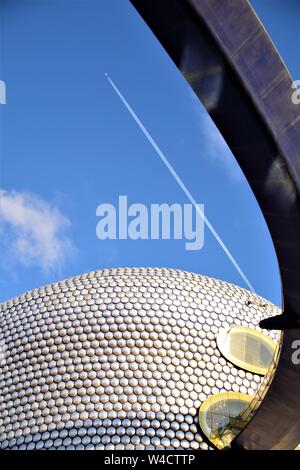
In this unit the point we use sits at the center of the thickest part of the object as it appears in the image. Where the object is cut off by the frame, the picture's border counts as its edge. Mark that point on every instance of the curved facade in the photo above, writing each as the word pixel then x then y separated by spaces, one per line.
pixel 119 359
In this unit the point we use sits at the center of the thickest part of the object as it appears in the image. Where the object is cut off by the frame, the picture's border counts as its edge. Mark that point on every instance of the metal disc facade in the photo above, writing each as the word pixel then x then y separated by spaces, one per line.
pixel 119 359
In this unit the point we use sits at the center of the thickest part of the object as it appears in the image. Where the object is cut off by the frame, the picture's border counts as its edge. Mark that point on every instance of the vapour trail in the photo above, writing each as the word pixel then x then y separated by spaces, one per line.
pixel 180 183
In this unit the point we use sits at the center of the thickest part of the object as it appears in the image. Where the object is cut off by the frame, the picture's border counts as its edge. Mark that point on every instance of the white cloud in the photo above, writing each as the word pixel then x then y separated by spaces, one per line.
pixel 33 232
pixel 215 147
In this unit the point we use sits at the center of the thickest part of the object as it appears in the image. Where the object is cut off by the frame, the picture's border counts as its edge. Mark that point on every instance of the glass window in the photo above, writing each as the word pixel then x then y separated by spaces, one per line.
pixel 220 417
pixel 247 348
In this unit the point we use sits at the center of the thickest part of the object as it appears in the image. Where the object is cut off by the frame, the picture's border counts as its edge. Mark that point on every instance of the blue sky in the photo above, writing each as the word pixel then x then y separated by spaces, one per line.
pixel 68 145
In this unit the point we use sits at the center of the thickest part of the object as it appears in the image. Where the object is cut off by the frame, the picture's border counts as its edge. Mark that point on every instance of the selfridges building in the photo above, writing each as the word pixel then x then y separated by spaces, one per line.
pixel 133 359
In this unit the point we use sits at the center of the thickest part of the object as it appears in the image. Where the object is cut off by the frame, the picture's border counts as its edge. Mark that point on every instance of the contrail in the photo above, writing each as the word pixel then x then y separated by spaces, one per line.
pixel 180 183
